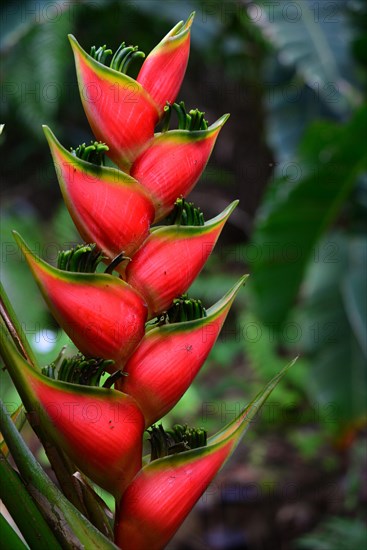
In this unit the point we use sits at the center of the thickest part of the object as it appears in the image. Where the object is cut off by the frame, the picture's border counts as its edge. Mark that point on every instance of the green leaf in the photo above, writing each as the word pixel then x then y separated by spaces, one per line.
pixel 336 533
pixel 294 214
pixel 36 50
pixel 261 344
pixel 338 378
pixel 24 512
pixel 9 537
pixel 312 38
pixel 354 289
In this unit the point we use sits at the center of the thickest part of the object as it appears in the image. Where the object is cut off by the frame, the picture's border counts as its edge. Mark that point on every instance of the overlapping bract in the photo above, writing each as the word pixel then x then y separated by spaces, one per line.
pixel 164 491
pixel 108 207
pixel 163 70
pixel 122 111
pixel 100 429
pixel 173 163
pixel 171 258
pixel 170 356
pixel 105 314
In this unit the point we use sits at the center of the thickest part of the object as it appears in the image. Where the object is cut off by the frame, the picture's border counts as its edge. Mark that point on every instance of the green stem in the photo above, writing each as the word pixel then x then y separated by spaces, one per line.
pixel 98 512
pixel 71 528
pixel 14 327
pixel 9 537
pixel 23 509
pixel 18 417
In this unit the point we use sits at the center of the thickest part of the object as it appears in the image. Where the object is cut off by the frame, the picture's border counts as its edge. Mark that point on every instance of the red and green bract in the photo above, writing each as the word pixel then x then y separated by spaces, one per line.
pixel 171 258
pixel 173 163
pixel 108 207
pixel 103 316
pixel 169 357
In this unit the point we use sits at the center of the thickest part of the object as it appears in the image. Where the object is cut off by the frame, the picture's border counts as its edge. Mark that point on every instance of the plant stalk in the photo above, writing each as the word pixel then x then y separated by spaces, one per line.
pixel 23 509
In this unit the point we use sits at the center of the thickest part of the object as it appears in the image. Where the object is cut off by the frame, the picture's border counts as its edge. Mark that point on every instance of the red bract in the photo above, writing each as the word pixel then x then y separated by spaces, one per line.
pixel 120 112
pixel 163 70
pixel 104 316
pixel 169 357
pixel 163 492
pixel 108 207
pixel 173 163
pixel 123 112
pixel 100 429
pixel 171 258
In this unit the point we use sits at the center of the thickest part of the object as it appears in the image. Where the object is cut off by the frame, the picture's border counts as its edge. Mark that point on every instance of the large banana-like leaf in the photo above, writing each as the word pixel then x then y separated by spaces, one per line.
pixel 333 318
pixel 294 214
pixel 313 38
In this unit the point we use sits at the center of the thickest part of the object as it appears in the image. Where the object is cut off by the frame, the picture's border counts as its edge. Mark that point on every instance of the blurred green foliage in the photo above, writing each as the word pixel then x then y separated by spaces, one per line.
pixel 306 271
pixel 336 533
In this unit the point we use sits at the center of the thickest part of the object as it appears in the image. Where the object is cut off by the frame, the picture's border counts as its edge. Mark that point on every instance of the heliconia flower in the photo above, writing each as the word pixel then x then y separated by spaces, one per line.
pixel 103 315
pixel 120 111
pixel 171 258
pixel 170 356
pixel 100 429
pixel 163 70
pixel 173 163
pixel 162 494
pixel 108 207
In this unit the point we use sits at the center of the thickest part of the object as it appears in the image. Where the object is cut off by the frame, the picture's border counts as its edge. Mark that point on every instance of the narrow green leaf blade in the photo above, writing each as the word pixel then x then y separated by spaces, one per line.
pixel 24 512
pixel 9 537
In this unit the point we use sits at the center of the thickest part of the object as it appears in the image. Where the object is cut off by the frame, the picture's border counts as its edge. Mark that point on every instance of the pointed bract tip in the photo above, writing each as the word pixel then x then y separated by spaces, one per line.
pixel 190 20
pixel 54 143
pixel 224 118
pixel 185 27
pixel 218 124
pixel 181 28
pixel 75 46
pixel 242 281
pixel 228 211
pixel 31 258
pixel 223 216
pixel 291 363
pixel 23 246
pixel 50 136
pixel 237 286
pixel 19 240
pixel 228 297
pixel 73 41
